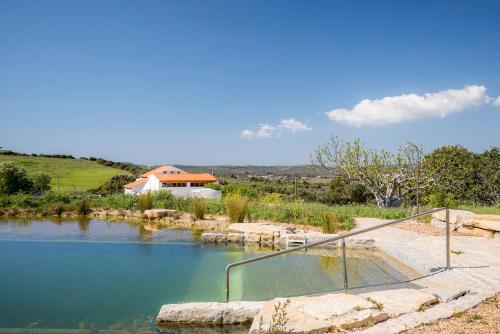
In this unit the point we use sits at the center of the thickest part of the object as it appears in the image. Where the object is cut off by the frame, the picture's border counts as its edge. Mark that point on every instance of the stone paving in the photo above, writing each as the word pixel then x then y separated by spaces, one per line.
pixel 474 276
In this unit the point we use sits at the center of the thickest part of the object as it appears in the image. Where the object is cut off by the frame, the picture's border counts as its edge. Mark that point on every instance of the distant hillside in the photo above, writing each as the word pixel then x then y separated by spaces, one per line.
pixel 69 174
pixel 258 171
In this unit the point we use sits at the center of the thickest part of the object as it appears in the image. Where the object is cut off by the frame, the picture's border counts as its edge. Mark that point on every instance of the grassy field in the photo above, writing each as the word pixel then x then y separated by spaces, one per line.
pixel 67 174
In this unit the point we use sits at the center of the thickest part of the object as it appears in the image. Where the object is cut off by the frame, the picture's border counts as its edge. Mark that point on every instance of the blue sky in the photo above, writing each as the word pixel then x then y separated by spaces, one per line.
pixel 192 82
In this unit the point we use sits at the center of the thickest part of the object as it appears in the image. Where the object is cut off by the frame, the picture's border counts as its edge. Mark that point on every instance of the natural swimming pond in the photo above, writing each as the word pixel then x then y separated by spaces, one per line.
pixel 97 274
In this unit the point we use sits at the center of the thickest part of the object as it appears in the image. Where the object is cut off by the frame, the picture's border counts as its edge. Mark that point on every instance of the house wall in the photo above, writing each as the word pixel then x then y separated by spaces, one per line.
pixel 135 190
pixel 153 184
pixel 195 192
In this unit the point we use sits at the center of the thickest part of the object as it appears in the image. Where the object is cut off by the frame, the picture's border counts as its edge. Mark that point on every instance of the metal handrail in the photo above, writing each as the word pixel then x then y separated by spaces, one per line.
pixel 343 236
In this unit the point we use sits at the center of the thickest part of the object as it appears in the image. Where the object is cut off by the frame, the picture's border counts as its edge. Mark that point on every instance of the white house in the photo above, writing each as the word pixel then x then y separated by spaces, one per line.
pixel 180 183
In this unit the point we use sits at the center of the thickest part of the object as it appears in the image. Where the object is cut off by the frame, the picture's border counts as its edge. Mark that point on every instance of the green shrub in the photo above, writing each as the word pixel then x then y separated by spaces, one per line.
pixel 199 206
pixel 164 199
pixel 214 186
pixel 241 189
pixel 145 202
pixel 83 207
pixel 116 201
pixel 237 208
pixel 273 198
pixel 440 199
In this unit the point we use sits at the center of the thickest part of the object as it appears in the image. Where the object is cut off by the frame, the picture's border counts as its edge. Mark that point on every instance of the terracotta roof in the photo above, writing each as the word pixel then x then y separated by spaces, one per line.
pixel 135 183
pixel 186 177
pixel 157 170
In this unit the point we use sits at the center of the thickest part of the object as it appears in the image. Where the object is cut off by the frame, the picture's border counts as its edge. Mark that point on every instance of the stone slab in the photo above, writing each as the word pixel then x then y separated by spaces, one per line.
pixel 400 301
pixel 319 314
pixel 485 222
pixel 211 313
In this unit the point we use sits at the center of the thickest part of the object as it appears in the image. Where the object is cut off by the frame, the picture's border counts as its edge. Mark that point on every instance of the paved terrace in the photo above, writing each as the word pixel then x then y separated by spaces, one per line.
pixel 475 276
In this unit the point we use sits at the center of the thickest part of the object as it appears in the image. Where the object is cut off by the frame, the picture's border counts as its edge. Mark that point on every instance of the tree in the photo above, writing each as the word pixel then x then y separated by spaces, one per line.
pixel 41 182
pixel 454 169
pixel 13 179
pixel 381 172
pixel 489 174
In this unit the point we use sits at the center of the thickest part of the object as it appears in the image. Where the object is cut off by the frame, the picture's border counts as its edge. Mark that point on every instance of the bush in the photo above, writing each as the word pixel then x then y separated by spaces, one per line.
pixel 440 199
pixel 145 202
pixel 83 207
pixel 273 198
pixel 237 208
pixel 117 201
pixel 241 189
pixel 164 199
pixel 199 206
pixel 14 179
pixel 41 182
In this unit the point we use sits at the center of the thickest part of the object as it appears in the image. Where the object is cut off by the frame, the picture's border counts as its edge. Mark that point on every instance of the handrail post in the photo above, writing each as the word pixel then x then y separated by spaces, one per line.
pixel 344 260
pixel 227 283
pixel 447 239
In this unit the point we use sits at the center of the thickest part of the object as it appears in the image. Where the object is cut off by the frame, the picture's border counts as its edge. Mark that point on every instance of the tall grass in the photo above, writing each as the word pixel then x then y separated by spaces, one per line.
pixel 329 222
pixel 83 207
pixel 145 202
pixel 237 208
pixel 199 206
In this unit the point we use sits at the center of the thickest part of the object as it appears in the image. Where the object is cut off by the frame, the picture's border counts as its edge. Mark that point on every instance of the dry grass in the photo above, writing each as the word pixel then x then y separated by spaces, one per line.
pixel 482 319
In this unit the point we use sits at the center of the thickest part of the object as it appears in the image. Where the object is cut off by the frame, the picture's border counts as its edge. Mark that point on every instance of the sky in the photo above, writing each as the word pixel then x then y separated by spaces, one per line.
pixel 246 82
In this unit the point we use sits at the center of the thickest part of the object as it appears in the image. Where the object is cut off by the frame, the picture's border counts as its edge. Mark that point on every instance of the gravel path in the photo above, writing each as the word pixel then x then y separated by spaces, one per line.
pixel 482 319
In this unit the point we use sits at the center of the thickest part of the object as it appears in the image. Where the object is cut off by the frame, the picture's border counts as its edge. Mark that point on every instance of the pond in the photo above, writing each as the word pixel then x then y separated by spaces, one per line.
pixel 99 275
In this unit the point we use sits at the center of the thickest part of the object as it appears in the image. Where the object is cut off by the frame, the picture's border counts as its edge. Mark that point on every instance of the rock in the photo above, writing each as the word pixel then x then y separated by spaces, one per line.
pixel 267 239
pixel 485 222
pixel 477 232
pixel 214 237
pixel 236 237
pixel 158 213
pixel 258 228
pixel 208 313
pixel 456 218
pixel 400 301
pixel 319 314
pixel 253 238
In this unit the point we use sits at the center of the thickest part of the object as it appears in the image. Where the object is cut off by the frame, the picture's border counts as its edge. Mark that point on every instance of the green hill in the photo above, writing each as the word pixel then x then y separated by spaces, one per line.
pixel 67 174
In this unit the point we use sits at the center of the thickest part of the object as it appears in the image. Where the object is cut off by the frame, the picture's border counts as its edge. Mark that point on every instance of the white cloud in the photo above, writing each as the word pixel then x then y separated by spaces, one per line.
pixel 409 107
pixel 496 102
pixel 287 125
pixel 293 126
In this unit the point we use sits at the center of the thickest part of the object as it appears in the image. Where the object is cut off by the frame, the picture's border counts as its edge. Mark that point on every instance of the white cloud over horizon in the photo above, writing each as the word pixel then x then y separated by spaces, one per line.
pixel 409 107
pixel 286 125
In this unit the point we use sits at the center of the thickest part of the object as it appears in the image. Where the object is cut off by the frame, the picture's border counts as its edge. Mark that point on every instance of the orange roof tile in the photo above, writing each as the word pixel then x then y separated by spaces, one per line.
pixel 158 169
pixel 135 183
pixel 186 177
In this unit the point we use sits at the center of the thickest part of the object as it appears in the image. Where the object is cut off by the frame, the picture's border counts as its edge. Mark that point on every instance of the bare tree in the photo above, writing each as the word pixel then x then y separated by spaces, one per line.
pixel 380 171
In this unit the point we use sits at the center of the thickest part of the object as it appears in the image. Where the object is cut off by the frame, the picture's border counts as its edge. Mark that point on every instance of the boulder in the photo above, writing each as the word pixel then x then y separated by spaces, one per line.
pixel 456 218
pixel 236 237
pixel 400 301
pixel 214 237
pixel 317 314
pixel 476 232
pixel 253 238
pixel 210 313
pixel 158 213
pixel 485 222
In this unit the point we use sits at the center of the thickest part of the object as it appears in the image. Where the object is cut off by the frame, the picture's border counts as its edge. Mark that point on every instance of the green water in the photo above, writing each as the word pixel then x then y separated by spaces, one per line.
pixel 96 274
